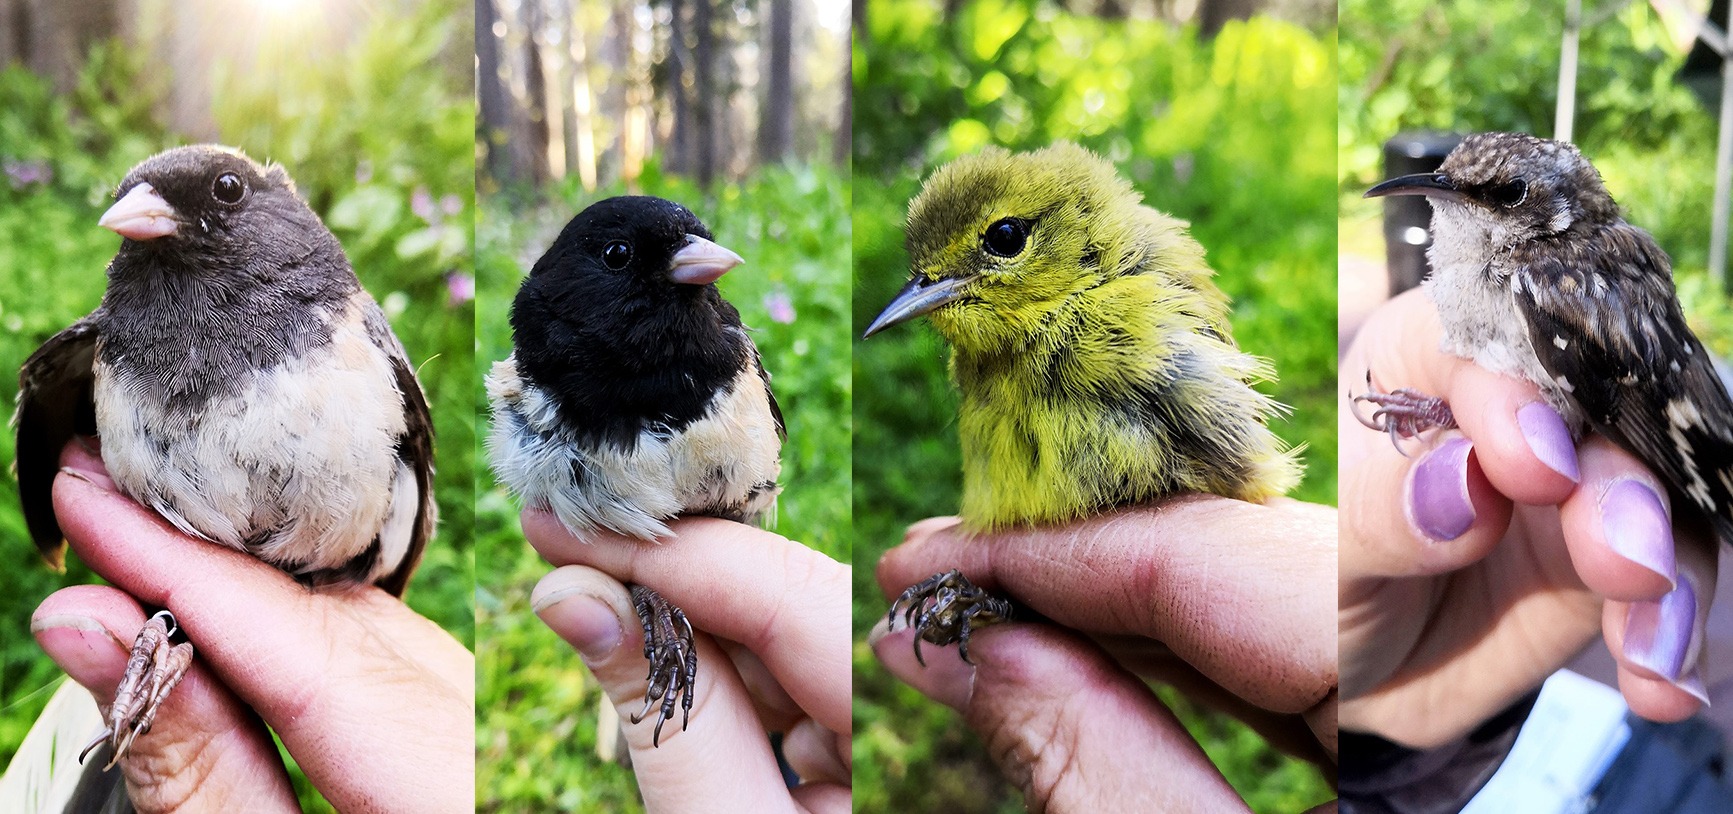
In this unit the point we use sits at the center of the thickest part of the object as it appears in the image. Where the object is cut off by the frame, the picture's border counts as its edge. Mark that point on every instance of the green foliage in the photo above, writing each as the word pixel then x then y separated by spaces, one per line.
pixel 1231 134
pixel 378 140
pixel 535 703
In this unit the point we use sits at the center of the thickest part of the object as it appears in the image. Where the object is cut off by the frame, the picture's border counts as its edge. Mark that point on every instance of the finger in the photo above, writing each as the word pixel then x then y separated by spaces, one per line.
pixel 205 751
pixel 1659 645
pixel 817 754
pixel 1522 442
pixel 782 600
pixel 1428 515
pixel 1046 702
pixel 1255 613
pixel 722 761
pixel 823 798
pixel 777 711
pixel 340 710
pixel 1618 526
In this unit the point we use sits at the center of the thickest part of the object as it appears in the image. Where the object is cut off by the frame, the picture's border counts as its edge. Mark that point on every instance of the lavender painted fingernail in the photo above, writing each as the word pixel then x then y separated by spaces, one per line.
pixel 1658 633
pixel 1692 682
pixel 1549 438
pixel 1438 503
pixel 1636 527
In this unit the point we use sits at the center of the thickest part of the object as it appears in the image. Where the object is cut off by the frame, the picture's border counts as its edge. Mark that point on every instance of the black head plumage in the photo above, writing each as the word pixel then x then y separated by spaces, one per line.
pixel 613 323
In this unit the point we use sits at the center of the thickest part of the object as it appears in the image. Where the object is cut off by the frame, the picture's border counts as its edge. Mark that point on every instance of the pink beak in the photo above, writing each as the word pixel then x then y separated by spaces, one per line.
pixel 141 215
pixel 701 262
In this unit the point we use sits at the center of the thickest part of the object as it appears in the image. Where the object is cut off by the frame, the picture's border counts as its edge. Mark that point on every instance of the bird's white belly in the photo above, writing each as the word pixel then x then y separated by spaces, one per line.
pixel 716 464
pixel 299 469
pixel 1481 323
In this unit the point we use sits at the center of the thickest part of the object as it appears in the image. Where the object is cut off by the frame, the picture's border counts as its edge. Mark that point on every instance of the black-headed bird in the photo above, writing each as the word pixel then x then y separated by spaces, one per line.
pixel 634 395
pixel 1092 352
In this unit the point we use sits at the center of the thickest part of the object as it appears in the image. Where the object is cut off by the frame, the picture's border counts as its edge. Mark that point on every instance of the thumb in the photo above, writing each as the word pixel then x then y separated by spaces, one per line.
pixel 1047 701
pixel 205 752
pixel 722 761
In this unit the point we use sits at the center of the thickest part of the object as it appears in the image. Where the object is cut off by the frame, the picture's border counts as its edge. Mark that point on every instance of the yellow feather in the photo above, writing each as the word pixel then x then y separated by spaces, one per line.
pixel 1096 365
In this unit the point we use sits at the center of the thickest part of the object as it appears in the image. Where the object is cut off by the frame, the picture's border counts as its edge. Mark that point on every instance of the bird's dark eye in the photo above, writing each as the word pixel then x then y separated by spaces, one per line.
pixel 1006 237
pixel 617 254
pixel 229 188
pixel 1509 193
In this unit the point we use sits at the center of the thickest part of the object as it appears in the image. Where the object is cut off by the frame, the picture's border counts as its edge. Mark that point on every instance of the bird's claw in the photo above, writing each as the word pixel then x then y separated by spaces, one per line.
pixel 944 608
pixel 1402 413
pixel 673 658
pixel 153 670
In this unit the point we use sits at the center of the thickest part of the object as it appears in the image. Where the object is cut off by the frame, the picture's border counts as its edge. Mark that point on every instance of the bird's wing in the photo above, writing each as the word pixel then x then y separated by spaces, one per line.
pixel 1606 325
pixel 54 403
pixel 414 451
pixel 764 375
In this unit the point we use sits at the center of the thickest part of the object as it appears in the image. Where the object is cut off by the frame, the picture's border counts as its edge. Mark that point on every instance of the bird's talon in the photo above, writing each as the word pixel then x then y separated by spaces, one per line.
pixel 944 608
pixel 153 669
pixel 668 646
pixel 1403 413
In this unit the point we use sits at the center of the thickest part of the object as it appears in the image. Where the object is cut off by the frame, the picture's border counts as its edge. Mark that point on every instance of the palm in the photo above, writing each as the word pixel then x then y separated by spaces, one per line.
pixel 1454 649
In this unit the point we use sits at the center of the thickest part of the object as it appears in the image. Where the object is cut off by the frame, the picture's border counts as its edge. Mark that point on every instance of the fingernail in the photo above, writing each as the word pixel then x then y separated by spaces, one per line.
pixel 1692 682
pixel 1548 437
pixel 82 646
pixel 946 679
pixel 1438 503
pixel 91 478
pixel 588 623
pixel 1658 633
pixel 1636 527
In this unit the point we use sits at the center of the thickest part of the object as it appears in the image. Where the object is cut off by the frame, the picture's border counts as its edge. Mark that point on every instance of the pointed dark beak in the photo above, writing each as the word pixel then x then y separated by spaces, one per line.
pixel 1430 184
pixel 920 296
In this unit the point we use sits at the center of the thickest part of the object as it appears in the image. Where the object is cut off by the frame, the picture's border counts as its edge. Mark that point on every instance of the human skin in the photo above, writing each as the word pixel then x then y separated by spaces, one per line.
pixel 770 619
pixel 1440 630
pixel 375 702
pixel 1162 594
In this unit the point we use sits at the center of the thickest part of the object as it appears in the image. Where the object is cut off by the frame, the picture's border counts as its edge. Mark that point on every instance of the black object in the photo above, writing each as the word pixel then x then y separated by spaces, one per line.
pixel 1702 69
pixel 1406 219
pixel 1379 776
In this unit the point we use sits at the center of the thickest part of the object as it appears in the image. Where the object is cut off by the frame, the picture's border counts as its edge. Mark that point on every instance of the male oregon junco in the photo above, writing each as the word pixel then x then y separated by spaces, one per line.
pixel 243 385
pixel 633 396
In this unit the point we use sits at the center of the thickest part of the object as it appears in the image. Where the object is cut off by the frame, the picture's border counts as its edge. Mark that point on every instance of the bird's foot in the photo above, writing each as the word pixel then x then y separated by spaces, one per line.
pixel 673 658
pixel 1402 413
pixel 153 670
pixel 944 608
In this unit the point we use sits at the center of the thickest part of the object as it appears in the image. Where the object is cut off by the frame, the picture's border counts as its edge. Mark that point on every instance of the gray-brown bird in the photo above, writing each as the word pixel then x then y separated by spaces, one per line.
pixel 244 386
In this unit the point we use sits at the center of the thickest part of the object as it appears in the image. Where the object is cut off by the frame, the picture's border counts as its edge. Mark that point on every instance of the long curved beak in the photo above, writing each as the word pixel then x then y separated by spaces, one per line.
pixel 920 296
pixel 141 215
pixel 1430 184
pixel 702 262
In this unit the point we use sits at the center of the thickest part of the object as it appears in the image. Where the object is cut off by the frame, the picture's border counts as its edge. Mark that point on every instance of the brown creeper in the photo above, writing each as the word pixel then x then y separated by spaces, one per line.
pixel 1536 275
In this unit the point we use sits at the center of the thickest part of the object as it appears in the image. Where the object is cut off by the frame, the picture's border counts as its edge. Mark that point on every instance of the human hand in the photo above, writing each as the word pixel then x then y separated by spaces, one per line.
pixel 771 628
pixel 375 702
pixel 1238 592
pixel 1456 603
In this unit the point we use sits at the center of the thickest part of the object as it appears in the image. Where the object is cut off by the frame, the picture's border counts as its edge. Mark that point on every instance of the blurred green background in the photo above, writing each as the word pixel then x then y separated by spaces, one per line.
pixel 1231 132
pixel 585 100
pixel 369 108
pixel 1479 65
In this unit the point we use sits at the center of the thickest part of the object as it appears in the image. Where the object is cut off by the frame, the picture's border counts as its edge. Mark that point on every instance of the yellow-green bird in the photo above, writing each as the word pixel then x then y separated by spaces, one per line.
pixel 1091 349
